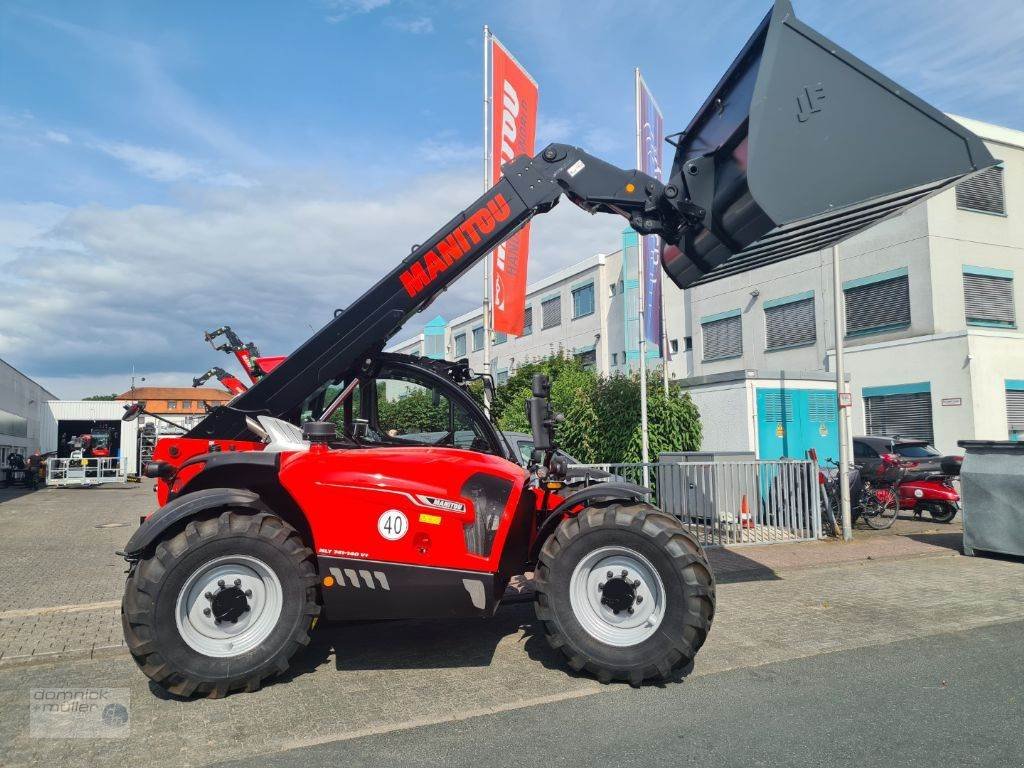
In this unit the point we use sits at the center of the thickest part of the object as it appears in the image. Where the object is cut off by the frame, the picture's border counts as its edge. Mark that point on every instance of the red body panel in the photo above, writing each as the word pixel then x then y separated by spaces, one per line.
pixel 345 492
pixel 931 490
pixel 176 450
pixel 267 364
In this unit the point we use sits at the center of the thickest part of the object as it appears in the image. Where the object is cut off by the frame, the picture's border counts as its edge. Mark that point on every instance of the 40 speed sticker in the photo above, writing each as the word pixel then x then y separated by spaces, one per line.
pixel 393 524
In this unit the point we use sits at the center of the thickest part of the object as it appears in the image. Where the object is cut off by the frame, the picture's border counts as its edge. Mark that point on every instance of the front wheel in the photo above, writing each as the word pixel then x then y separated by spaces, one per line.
pixel 222 605
pixel 880 507
pixel 625 592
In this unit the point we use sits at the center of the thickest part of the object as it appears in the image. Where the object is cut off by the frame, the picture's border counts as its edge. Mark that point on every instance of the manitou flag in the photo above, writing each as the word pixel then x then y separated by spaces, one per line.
pixel 513 131
pixel 650 140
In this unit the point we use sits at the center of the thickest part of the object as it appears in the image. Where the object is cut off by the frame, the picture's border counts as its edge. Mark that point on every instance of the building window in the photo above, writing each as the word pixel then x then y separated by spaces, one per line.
pixel 172 405
pixel 612 289
pixel 988 297
pixel 583 301
pixel 1015 410
pixel 983 193
pixel 551 312
pixel 186 404
pixel 478 339
pixel 460 345
pixel 615 358
pixel 878 303
pixel 904 410
pixel 688 341
pixel 722 336
pixel 789 322
pixel 528 321
pixel 587 358
pixel 502 378
pixel 433 345
pixel 673 346
pixel 500 338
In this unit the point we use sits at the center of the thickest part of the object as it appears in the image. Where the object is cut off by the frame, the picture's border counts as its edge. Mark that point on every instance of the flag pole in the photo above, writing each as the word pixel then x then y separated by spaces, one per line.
pixel 487 185
pixel 641 286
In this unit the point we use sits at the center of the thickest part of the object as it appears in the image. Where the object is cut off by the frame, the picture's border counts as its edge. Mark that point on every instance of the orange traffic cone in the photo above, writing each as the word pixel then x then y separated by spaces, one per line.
pixel 746 521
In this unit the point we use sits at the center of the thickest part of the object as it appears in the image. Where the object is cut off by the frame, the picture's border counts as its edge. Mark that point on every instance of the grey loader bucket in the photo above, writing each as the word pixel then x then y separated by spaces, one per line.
pixel 992 491
pixel 801 145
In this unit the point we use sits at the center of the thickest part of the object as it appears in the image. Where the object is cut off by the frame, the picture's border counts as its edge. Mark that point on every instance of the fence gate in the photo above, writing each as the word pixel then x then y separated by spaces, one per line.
pixel 732 502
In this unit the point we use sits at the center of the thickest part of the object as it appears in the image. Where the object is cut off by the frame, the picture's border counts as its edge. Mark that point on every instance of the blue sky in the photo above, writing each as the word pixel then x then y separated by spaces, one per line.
pixel 168 167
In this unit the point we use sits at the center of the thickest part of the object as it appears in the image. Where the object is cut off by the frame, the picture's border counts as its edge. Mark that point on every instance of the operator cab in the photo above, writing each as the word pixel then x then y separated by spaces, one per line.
pixel 407 401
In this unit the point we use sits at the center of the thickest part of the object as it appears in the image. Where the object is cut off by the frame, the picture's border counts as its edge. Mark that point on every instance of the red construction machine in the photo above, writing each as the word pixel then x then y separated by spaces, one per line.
pixel 299 500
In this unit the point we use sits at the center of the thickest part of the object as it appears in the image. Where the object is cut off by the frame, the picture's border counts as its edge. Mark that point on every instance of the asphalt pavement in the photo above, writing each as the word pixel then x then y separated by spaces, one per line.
pixel 952 699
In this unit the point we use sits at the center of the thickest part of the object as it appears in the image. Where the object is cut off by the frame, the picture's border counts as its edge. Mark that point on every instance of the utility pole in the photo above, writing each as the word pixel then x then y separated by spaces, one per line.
pixel 842 396
pixel 645 451
pixel 487 185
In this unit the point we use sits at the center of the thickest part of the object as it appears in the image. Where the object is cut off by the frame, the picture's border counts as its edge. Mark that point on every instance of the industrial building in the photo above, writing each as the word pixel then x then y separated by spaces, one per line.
pixel 22 409
pixel 933 348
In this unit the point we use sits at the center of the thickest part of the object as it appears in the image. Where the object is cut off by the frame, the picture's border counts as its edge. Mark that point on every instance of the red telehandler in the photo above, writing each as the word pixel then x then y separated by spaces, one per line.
pixel 299 500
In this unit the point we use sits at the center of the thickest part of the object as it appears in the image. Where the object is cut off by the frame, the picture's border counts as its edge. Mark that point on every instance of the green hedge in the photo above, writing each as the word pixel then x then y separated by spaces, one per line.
pixel 602 416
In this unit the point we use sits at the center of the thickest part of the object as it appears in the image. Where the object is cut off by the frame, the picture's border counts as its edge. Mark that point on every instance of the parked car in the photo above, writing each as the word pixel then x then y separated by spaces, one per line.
pixel 918 458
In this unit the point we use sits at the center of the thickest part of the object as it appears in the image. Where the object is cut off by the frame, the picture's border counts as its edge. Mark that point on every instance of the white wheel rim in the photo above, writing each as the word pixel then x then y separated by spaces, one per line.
pixel 586 590
pixel 194 614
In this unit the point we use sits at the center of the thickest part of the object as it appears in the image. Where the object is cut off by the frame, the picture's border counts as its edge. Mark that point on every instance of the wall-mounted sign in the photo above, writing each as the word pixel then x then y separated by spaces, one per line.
pixel 845 400
pixel 952 401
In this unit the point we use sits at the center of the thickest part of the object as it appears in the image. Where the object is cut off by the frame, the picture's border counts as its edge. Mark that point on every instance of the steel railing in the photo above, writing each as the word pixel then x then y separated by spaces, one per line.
pixel 62 472
pixel 731 502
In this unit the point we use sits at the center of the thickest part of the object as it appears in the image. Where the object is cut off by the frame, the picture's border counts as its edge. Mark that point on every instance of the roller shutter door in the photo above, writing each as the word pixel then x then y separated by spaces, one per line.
pixel 989 299
pixel 907 415
pixel 877 305
pixel 723 338
pixel 983 192
pixel 789 325
pixel 1015 412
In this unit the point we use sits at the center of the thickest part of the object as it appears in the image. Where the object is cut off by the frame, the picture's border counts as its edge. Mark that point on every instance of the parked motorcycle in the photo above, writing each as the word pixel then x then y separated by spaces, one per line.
pixel 934 494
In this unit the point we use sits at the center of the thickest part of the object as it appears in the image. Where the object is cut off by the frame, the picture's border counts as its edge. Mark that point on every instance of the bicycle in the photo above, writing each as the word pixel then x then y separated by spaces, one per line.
pixel 876 500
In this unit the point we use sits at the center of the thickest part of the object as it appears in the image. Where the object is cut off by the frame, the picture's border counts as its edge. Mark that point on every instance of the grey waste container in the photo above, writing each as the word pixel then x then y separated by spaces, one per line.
pixel 992 493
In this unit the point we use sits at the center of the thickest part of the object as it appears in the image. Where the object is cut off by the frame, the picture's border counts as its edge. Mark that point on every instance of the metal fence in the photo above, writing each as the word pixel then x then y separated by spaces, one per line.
pixel 731 502
pixel 62 472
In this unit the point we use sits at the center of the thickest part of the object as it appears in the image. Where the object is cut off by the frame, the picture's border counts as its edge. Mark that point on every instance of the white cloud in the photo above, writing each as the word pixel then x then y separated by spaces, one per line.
pixel 339 10
pixel 422 25
pixel 57 137
pixel 103 289
pixel 157 164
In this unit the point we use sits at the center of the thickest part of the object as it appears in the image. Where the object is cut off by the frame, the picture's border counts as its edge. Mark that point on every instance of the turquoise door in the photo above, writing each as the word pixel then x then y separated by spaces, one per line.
pixel 792 421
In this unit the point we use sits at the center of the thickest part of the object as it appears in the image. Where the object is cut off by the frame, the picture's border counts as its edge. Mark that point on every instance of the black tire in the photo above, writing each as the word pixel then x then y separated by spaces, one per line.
pixel 881 513
pixel 942 512
pixel 689 590
pixel 148 609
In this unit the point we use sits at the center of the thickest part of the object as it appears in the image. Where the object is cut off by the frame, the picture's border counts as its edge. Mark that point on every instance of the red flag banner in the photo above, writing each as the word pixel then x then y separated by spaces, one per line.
pixel 514 97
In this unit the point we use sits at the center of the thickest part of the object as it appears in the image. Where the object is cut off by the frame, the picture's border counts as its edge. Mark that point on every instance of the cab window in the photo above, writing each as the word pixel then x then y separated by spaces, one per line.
pixel 409 409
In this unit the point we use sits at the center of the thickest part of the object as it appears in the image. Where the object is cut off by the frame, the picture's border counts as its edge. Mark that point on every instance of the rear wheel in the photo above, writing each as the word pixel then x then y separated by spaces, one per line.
pixel 942 512
pixel 222 605
pixel 625 593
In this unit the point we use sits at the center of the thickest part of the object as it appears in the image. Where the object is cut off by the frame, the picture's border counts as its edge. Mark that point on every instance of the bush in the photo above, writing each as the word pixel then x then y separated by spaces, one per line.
pixel 602 416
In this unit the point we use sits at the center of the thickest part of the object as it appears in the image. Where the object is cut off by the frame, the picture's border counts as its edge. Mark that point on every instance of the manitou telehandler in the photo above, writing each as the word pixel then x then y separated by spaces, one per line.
pixel 301 499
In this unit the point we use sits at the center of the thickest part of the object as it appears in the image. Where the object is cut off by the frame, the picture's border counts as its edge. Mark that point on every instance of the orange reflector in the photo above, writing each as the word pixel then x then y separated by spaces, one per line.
pixel 430 519
pixel 631 188
pixel 328 581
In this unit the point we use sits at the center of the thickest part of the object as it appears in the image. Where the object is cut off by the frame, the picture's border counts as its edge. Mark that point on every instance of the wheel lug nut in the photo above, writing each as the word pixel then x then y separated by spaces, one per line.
pixel 208 596
pixel 600 587
pixel 639 599
pixel 206 611
pixel 616 612
pixel 611 575
pixel 248 593
pixel 636 583
pixel 221 583
pixel 235 621
pixel 629 611
pixel 625 573
pixel 246 609
pixel 238 582
pixel 216 621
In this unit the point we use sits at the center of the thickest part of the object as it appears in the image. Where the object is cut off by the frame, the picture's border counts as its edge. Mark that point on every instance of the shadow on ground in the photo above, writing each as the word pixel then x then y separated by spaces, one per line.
pixel 953 540
pixel 731 567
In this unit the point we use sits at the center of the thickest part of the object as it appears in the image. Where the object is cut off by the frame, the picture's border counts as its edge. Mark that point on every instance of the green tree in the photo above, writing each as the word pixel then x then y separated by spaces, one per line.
pixel 101 397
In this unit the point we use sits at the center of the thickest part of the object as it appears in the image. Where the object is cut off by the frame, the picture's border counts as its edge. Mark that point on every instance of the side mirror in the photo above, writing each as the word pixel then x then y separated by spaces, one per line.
pixel 132 411
pixel 542 420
